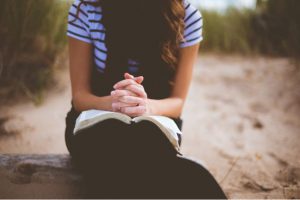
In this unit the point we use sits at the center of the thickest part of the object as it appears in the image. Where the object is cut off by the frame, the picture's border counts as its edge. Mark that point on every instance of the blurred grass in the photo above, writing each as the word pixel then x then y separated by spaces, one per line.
pixel 273 28
pixel 227 32
pixel 33 35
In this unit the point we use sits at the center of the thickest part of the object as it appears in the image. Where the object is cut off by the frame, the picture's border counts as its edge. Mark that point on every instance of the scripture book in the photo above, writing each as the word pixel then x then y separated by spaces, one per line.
pixel 91 117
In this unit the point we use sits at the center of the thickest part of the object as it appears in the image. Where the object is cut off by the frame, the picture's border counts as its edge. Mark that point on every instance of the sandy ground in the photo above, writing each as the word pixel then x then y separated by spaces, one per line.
pixel 241 120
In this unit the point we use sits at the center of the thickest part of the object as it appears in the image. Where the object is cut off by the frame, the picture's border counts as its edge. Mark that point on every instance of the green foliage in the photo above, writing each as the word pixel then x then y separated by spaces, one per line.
pixel 278 23
pixel 32 34
pixel 272 29
pixel 227 32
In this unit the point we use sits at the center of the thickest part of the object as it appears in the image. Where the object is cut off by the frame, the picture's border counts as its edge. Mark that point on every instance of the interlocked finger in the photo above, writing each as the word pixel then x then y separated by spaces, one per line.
pixel 132 100
pixel 119 93
pixel 134 111
pixel 137 89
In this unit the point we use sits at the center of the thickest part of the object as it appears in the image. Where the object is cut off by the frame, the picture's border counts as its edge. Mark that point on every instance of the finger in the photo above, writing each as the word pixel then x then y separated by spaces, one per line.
pixel 132 100
pixel 134 111
pixel 138 90
pixel 128 76
pixel 124 83
pixel 118 93
pixel 139 79
pixel 119 105
pixel 115 107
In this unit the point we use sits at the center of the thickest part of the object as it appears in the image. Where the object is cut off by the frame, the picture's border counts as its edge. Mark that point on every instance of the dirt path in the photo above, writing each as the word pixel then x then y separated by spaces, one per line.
pixel 38 129
pixel 242 120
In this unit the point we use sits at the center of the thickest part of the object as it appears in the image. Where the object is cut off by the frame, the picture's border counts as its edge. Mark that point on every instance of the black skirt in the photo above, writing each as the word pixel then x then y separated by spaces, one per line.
pixel 134 161
pixel 138 161
pixel 70 121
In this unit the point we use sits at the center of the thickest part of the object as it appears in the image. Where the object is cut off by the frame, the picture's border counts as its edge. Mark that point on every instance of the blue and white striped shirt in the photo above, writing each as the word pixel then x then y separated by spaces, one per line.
pixel 88 28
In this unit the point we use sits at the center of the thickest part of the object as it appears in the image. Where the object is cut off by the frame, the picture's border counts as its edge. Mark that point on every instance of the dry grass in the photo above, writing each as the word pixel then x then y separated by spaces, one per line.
pixel 33 33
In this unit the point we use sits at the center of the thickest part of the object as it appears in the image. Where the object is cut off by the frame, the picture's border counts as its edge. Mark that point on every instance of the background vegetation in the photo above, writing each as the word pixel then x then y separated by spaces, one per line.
pixel 273 28
pixel 32 35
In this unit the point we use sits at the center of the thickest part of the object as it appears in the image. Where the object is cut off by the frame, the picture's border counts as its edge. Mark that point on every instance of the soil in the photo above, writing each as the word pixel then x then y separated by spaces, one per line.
pixel 241 120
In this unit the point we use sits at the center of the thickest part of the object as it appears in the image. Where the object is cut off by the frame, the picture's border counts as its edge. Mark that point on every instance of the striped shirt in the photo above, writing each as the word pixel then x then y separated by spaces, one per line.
pixel 88 28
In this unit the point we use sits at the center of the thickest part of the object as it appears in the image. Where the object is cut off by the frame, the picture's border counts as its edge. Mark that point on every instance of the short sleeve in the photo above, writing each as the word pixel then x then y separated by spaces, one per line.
pixel 78 25
pixel 193 26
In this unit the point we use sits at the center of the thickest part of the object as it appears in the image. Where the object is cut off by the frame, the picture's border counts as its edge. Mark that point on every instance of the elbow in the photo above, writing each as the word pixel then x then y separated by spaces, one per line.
pixel 180 107
pixel 77 103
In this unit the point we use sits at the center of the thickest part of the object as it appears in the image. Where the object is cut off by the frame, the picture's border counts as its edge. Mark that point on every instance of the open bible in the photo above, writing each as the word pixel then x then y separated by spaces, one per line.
pixel 91 117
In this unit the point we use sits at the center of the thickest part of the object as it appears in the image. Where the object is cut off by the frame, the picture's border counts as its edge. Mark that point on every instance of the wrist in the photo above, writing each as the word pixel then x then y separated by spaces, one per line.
pixel 103 103
pixel 86 101
pixel 151 108
pixel 169 107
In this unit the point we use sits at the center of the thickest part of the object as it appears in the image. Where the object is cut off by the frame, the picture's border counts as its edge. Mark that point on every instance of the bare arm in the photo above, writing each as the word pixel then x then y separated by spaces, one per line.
pixel 173 106
pixel 170 107
pixel 80 56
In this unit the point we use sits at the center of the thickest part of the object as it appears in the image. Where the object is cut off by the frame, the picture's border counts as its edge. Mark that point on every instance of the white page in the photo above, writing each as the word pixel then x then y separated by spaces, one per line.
pixel 168 123
pixel 89 114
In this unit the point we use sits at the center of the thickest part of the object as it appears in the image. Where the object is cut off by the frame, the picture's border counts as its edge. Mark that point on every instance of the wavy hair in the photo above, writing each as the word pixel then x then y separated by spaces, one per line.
pixel 166 15
pixel 149 31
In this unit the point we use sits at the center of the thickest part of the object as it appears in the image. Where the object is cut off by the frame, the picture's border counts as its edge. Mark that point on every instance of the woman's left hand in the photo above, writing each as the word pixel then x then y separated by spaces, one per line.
pixel 140 100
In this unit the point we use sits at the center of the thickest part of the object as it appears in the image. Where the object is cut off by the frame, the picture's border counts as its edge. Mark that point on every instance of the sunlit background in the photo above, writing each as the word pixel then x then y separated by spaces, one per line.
pixel 242 115
pixel 222 5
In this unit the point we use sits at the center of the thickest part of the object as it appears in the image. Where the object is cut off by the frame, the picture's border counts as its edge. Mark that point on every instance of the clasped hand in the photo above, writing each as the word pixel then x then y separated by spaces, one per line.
pixel 129 97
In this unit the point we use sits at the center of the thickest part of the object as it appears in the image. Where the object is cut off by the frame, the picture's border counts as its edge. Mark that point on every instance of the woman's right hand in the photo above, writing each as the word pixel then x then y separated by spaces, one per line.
pixel 117 105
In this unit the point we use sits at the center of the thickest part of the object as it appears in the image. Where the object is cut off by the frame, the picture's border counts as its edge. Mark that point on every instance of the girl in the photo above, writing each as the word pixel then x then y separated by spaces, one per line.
pixel 135 57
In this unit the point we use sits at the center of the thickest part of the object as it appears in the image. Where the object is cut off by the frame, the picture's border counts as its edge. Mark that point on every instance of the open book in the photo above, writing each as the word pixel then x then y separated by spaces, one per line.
pixel 91 117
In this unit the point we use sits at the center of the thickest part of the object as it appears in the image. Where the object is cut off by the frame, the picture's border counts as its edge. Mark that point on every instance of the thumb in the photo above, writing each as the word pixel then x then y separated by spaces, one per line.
pixel 128 76
pixel 139 79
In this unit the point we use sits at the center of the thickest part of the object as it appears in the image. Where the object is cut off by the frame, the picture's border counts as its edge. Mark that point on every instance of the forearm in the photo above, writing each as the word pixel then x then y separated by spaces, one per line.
pixel 169 107
pixel 87 101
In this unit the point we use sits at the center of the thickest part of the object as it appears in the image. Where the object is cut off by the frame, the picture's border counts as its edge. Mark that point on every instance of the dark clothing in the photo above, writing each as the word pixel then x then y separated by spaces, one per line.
pixel 70 124
pixel 102 86
pixel 134 161
pixel 138 161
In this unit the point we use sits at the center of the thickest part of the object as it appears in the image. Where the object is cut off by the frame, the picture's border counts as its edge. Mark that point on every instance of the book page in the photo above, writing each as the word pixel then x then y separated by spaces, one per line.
pixel 167 126
pixel 91 117
pixel 168 123
pixel 89 114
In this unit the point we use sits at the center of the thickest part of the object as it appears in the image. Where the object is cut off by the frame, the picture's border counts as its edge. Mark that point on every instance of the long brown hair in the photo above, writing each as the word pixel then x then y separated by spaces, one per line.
pixel 149 31
pixel 173 13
